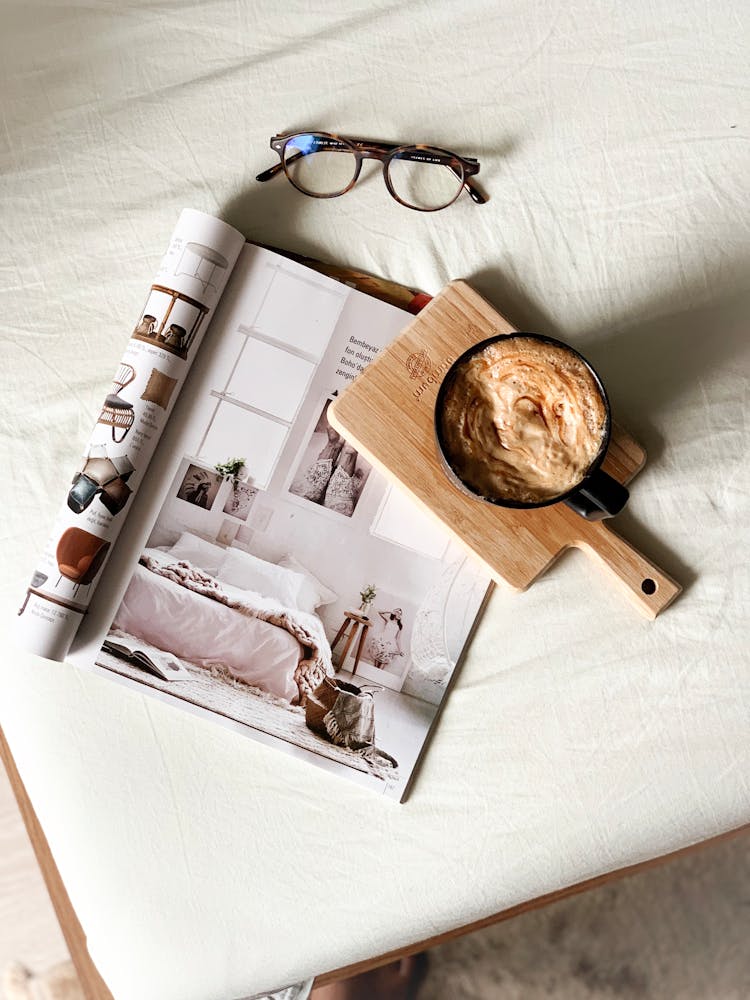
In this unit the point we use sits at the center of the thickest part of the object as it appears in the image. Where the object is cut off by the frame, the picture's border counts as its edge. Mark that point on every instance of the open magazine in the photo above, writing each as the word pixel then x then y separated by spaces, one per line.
pixel 304 600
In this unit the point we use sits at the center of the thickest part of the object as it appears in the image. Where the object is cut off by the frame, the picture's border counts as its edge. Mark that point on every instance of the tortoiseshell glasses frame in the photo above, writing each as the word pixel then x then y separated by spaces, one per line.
pixel 462 167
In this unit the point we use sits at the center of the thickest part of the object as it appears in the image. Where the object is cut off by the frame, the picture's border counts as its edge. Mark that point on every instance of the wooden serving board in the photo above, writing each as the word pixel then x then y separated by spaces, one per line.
pixel 388 413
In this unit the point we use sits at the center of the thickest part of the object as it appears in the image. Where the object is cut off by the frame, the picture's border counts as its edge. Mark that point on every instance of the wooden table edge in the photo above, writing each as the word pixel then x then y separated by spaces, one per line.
pixel 95 988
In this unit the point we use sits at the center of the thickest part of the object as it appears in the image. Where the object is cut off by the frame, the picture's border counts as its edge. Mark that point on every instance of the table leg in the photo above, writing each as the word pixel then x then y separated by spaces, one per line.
pixel 339 634
pixel 398 981
pixel 347 645
pixel 360 647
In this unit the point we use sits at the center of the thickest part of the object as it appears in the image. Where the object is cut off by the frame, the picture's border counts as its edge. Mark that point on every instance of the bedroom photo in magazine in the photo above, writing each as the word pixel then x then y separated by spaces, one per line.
pixel 249 584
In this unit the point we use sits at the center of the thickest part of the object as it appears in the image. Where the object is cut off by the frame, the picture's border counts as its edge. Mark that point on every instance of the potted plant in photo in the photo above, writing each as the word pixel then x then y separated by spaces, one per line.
pixel 368 595
pixel 234 469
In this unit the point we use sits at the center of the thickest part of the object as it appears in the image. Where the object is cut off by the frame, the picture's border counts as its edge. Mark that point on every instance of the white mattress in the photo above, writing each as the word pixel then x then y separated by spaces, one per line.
pixel 580 737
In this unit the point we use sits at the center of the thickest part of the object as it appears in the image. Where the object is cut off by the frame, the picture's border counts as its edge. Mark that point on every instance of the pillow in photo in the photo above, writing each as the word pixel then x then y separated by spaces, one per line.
pixel 162 537
pixel 193 549
pixel 240 569
pixel 159 388
pixel 314 593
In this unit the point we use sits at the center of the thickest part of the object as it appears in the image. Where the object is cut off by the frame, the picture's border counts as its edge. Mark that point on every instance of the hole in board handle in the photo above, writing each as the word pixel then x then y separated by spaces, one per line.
pixel 648 586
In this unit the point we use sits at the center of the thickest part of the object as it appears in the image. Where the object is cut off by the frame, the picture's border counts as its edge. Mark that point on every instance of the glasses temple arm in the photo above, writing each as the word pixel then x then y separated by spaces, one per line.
pixel 267 175
pixel 476 194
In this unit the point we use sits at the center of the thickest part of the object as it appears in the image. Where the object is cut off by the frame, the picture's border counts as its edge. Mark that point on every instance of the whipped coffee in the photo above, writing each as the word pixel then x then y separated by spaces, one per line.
pixel 522 420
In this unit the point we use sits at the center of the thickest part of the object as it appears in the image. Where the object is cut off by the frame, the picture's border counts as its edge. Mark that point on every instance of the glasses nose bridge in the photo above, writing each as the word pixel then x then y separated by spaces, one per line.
pixel 373 155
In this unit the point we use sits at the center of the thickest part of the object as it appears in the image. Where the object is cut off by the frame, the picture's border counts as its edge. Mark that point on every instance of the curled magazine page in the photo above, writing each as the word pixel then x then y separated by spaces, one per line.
pixel 156 360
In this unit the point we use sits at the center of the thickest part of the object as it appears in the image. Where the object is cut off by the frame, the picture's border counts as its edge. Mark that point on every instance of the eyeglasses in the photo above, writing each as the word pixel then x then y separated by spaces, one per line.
pixel 323 165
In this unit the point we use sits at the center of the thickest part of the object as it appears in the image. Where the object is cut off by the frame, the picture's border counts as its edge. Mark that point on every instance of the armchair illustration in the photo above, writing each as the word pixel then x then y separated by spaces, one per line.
pixel 80 555
pixel 117 412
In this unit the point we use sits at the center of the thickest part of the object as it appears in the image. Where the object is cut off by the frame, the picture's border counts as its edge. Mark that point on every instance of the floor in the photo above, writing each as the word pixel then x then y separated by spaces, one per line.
pixel 28 927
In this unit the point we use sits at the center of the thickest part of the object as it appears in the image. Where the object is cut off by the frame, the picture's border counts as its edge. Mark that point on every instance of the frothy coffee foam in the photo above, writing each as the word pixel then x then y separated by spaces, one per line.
pixel 522 420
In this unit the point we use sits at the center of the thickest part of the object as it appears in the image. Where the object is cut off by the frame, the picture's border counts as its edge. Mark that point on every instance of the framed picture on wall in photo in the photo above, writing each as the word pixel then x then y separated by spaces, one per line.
pixel 386 656
pixel 199 486
pixel 240 500
pixel 330 473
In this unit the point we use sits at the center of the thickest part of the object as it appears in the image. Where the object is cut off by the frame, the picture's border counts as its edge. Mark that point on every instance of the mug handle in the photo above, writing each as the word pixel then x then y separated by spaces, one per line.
pixel 601 496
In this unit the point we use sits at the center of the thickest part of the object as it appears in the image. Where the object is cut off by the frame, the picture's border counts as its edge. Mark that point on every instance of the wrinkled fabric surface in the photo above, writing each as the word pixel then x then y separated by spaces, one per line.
pixel 580 737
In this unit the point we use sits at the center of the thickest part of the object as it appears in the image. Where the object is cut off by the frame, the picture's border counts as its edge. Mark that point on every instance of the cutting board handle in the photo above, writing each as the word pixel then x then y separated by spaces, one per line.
pixel 648 587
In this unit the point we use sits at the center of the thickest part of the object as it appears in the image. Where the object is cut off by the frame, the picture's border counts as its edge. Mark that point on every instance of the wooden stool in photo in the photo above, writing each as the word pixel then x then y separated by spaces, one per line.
pixel 351 624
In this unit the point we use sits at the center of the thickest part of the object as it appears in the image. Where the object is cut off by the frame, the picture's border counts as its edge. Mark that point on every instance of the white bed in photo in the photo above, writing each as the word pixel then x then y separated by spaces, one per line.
pixel 208 633
pixel 252 660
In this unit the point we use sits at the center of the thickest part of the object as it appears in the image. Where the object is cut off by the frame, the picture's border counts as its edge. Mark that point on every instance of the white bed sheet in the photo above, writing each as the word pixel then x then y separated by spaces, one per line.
pixel 580 738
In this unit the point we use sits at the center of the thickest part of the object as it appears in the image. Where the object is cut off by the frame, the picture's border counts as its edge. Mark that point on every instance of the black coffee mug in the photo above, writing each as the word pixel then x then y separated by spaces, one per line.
pixel 596 496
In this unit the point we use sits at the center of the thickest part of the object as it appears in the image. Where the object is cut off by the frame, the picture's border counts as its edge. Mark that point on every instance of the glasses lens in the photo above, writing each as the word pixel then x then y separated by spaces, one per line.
pixel 426 179
pixel 319 164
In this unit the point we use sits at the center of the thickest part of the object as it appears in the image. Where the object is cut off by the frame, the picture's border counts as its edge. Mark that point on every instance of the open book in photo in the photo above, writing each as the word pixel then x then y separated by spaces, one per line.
pixel 164 665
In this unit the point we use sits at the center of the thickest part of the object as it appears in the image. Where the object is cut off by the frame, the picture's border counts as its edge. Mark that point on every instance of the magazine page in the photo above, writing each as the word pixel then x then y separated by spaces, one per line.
pixel 162 346
pixel 316 607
